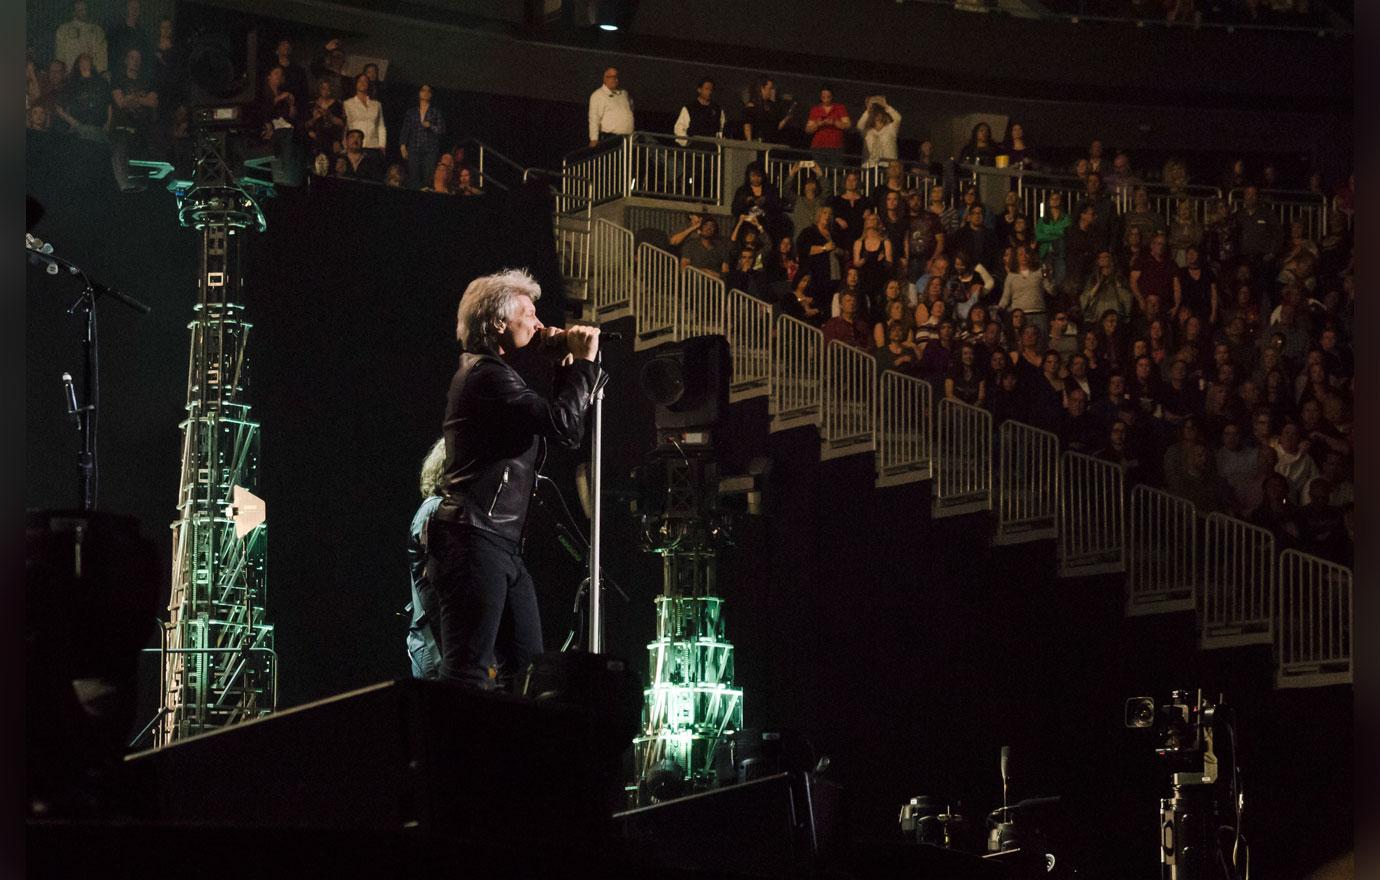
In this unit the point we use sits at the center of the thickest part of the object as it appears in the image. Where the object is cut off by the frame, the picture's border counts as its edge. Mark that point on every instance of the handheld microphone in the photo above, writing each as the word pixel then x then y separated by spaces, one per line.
pixel 72 409
pixel 1005 776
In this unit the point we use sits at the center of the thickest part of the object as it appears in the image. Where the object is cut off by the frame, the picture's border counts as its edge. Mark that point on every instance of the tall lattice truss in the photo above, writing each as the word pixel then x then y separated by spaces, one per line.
pixel 219 665
pixel 691 703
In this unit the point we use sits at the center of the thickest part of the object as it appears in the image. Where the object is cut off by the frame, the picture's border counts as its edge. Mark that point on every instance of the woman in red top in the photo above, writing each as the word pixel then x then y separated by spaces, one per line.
pixel 827 123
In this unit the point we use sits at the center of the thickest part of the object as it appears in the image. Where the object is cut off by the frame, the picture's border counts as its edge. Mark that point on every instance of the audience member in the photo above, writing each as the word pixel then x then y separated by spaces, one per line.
pixel 701 117
pixel 610 110
pixel 82 36
pixel 827 122
pixel 135 109
pixel 365 115
pixel 420 140
pixel 879 124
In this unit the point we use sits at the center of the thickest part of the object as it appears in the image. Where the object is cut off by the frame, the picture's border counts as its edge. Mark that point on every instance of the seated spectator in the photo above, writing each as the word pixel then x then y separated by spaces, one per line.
pixel 1026 288
pixel 1338 473
pixel 779 269
pixel 1322 531
pixel 1106 408
pixel 851 277
pixel 1322 436
pixel 937 356
pixel 1120 451
pixel 1276 513
pixel 893 181
pixel 86 106
pixel 744 275
pixel 927 320
pixel 965 381
pixel 1046 394
pixel 440 179
pixel 896 313
pixel 981 243
pixel 799 302
pixel 358 164
pixel 1198 483
pixel 1112 348
pixel 395 176
pixel 1178 398
pixel 325 125
pixel 1105 291
pixel 848 326
pixel 1063 338
pixel 1007 402
pixel 705 250
pixel 980 149
pixel 1080 431
pixel 466 182
pixel 420 140
pixel 898 353
pixel 749 234
pixel 892 292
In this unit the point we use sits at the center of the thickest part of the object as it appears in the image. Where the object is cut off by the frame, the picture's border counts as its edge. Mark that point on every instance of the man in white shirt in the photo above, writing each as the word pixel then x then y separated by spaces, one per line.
pixel 78 36
pixel 366 114
pixel 610 109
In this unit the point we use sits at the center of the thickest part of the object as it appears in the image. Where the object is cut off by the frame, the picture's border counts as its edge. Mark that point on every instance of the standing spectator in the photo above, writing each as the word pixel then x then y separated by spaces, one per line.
pixel 80 35
pixel 879 125
pixel 763 118
pixel 365 115
pixel 1184 232
pixel 420 141
pixel 610 110
pixel 1050 229
pixel 1104 210
pixel 136 107
pixel 1195 288
pixel 1105 291
pixel 278 110
pixel 873 256
pixel 1025 289
pixel 1256 229
pixel 53 85
pixel 758 198
pixel 849 207
pixel 294 74
pixel 977 240
pixel 331 68
pixel 980 149
pixel 371 72
pixel 700 118
pixel 1015 147
pixel 129 33
pixel 1153 273
pixel 1141 216
pixel 325 124
pixel 86 106
pixel 827 122
pixel 927 240
pixel 167 69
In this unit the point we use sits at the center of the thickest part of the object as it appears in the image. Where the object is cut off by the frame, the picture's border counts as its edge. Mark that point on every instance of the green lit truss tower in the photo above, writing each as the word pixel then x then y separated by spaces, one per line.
pixel 691 703
pixel 219 666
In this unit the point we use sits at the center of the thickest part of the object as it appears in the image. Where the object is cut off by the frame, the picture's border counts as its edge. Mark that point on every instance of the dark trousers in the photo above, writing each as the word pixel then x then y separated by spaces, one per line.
pixel 421 166
pixel 488 605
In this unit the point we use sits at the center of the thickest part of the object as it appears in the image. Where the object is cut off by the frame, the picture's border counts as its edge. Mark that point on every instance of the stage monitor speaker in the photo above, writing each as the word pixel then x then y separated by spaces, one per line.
pixel 777 826
pixel 426 756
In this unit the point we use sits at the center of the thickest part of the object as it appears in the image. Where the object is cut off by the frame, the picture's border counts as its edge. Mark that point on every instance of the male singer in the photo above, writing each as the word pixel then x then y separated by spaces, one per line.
pixel 496 429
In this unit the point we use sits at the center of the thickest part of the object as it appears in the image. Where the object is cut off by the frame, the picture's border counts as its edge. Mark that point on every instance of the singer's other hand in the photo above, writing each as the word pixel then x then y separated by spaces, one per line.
pixel 582 341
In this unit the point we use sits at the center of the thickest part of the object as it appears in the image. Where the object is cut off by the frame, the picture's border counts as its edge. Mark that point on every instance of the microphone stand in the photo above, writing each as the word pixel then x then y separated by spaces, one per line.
pixel 595 642
pixel 86 414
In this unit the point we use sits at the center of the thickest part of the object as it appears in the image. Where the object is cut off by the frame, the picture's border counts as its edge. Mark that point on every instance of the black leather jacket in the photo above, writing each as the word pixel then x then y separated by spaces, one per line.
pixel 496 430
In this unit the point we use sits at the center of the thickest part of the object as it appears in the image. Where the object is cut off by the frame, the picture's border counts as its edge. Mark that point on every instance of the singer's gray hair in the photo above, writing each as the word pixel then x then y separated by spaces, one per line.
pixel 489 302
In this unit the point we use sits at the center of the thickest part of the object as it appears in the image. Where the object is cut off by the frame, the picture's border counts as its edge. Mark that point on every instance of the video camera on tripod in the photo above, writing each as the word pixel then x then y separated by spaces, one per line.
pixel 1188 729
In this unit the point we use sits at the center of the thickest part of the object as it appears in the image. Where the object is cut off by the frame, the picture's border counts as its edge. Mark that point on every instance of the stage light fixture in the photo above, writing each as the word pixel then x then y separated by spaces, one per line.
pixel 612 15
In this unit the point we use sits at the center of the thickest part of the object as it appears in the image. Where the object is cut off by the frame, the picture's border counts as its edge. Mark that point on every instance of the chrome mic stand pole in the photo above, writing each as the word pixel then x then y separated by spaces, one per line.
pixel 595 643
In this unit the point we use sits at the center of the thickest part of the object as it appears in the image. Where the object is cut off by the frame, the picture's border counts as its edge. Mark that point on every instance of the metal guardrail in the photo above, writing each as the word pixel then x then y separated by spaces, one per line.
pixel 1309 208
pixel 1027 484
pixel 905 430
pixel 656 297
pixel 797 374
pixel 612 274
pixel 1238 584
pixel 661 168
pixel 850 402
pixel 604 166
pixel 1316 619
pixel 1092 517
pixel 749 345
pixel 1161 553
pixel 963 460
pixel 703 304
